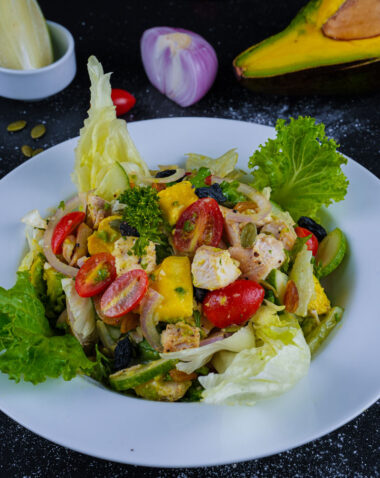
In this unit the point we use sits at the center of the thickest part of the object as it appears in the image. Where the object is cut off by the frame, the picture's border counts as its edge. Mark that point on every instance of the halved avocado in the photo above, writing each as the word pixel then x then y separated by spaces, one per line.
pixel 330 47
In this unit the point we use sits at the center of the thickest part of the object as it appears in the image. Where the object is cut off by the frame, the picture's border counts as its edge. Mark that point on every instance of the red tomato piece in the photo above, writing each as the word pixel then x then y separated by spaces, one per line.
pixel 233 304
pixel 208 180
pixel 312 244
pixel 125 293
pixel 95 275
pixel 123 101
pixel 66 225
pixel 200 223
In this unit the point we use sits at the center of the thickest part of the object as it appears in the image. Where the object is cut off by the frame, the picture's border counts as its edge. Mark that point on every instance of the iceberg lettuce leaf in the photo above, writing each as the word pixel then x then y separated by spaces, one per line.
pixel 221 166
pixel 281 359
pixel 192 359
pixel 104 139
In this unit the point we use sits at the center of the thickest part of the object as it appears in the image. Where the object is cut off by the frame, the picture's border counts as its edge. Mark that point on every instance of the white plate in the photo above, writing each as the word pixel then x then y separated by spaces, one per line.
pixel 343 379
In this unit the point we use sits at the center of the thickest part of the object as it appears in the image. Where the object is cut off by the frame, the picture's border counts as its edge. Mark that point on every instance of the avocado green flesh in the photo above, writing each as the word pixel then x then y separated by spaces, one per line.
pixel 138 374
pixel 302 49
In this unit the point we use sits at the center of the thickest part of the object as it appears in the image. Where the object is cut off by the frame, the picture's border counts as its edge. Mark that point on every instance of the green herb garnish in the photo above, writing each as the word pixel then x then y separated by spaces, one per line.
pixel 232 194
pixel 198 180
pixel 188 226
pixel 144 214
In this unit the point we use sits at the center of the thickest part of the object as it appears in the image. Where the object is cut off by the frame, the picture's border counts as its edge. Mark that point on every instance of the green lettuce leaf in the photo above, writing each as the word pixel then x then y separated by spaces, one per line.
pixel 279 360
pixel 28 349
pixel 104 139
pixel 221 166
pixel 301 166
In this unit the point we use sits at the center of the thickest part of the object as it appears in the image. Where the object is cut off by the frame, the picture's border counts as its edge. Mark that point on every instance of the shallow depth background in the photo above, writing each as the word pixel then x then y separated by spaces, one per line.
pixel 111 30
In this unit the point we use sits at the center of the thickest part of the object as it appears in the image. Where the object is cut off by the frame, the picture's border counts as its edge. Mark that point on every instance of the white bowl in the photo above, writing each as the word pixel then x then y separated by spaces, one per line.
pixel 32 85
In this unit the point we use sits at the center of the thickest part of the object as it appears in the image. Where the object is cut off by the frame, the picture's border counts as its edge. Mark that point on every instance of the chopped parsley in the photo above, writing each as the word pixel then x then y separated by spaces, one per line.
pixel 143 213
pixel 61 205
pixel 232 194
pixel 180 290
pixel 198 180
pixel 197 318
pixel 101 275
pixel 188 226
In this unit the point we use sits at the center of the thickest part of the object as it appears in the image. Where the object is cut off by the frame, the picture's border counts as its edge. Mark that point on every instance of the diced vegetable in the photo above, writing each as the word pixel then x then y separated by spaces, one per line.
pixel 114 183
pixel 162 390
pixel 320 333
pixel 172 279
pixel 319 302
pixel 105 237
pixel 331 252
pixel 302 275
pixel 138 374
pixel 278 280
pixel 175 199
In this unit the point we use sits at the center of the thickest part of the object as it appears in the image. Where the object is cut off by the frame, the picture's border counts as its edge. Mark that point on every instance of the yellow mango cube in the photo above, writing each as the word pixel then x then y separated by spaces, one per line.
pixel 319 300
pixel 104 238
pixel 172 279
pixel 175 199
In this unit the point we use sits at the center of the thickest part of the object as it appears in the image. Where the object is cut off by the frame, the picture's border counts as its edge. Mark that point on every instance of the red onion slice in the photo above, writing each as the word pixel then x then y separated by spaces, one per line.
pixel 215 338
pixel 148 320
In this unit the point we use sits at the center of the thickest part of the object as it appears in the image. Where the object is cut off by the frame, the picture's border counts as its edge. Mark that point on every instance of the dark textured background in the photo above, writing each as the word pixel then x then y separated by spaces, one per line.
pixel 111 30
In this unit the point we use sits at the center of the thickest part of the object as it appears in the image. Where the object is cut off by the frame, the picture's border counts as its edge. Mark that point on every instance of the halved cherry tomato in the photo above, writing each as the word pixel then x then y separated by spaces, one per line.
pixel 312 244
pixel 95 275
pixel 123 101
pixel 125 293
pixel 233 304
pixel 200 223
pixel 66 225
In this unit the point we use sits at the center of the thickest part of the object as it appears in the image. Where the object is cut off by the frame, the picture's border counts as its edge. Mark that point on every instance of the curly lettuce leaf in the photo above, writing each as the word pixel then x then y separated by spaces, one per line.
pixel 104 139
pixel 28 349
pixel 301 166
pixel 280 359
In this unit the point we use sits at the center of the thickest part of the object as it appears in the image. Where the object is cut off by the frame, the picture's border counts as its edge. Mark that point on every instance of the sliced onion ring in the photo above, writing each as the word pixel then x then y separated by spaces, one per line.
pixel 215 338
pixel 264 206
pixel 180 173
pixel 52 259
pixel 147 319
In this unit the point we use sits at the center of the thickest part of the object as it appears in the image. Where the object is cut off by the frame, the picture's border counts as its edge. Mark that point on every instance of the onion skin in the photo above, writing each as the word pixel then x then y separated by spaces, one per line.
pixel 179 63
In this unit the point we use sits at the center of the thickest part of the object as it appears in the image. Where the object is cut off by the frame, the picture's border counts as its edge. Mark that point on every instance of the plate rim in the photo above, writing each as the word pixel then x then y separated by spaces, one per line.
pixel 335 425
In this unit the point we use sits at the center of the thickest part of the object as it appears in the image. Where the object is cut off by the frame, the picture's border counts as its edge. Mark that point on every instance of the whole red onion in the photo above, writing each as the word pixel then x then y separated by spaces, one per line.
pixel 179 63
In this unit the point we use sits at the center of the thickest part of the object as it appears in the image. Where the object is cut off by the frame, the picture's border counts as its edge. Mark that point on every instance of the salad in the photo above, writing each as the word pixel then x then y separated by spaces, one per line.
pixel 202 282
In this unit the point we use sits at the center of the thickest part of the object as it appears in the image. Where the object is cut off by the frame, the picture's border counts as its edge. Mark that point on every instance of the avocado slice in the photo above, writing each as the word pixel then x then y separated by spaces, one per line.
pixel 330 47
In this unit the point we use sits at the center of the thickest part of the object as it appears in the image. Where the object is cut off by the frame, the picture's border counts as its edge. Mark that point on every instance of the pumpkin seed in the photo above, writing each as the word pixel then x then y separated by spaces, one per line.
pixel 248 235
pixel 16 125
pixel 38 131
pixel 37 151
pixel 27 150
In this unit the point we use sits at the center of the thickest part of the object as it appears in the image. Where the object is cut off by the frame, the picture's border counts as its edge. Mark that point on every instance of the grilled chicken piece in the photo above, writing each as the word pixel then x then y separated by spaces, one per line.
pixel 98 209
pixel 180 336
pixel 233 225
pixel 256 262
pixel 83 233
pixel 281 231
pixel 68 247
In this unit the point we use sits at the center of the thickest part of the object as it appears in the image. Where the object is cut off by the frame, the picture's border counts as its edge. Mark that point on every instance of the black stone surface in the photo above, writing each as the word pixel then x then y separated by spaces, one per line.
pixel 111 30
